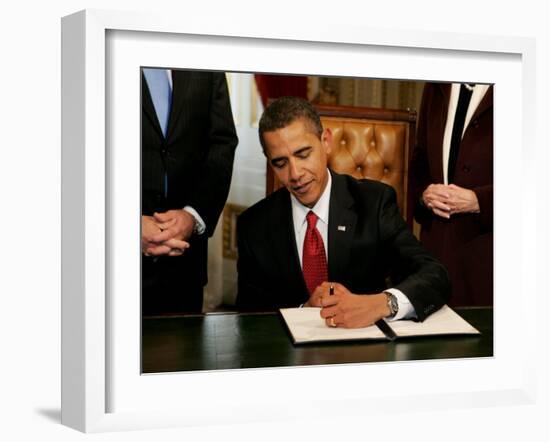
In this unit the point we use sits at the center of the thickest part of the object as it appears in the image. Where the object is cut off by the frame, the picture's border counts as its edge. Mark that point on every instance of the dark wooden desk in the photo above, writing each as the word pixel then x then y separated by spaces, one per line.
pixel 226 341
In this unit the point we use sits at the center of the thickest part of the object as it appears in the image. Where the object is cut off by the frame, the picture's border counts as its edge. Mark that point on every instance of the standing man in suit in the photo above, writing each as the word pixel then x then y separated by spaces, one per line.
pixel 451 185
pixel 284 260
pixel 188 142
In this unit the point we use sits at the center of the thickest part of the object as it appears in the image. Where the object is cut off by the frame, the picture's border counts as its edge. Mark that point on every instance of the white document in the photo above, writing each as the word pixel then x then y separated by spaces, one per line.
pixel 445 321
pixel 306 325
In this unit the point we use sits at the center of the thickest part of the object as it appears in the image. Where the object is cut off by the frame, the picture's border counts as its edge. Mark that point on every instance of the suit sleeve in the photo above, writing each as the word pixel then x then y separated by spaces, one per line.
pixel 211 192
pixel 414 271
pixel 484 196
pixel 419 169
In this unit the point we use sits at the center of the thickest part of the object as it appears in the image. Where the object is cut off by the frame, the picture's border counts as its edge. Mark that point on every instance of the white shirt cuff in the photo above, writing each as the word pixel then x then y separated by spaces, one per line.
pixel 201 226
pixel 405 308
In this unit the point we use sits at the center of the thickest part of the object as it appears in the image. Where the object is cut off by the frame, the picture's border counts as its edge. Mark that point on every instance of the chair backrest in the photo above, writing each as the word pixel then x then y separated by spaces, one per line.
pixel 368 143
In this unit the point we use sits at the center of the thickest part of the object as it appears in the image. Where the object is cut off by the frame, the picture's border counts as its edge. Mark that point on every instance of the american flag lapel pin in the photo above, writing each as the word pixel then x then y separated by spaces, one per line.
pixel 341 228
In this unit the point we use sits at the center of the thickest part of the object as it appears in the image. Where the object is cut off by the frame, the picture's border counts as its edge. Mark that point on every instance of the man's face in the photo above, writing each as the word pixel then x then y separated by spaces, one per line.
pixel 299 159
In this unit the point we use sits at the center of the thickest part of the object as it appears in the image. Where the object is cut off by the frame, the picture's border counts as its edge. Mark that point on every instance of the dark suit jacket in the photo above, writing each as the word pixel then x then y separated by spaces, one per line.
pixel 375 243
pixel 465 242
pixel 197 155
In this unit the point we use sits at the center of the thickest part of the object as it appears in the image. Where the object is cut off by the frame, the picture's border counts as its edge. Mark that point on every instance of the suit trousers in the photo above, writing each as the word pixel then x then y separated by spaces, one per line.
pixel 167 289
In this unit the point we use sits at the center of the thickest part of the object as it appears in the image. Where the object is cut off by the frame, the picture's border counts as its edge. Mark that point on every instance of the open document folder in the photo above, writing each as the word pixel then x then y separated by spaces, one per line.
pixel 306 325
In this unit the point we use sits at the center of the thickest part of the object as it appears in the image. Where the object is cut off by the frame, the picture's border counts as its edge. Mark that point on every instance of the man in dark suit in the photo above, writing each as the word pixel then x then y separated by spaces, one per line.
pixel 188 144
pixel 451 185
pixel 283 261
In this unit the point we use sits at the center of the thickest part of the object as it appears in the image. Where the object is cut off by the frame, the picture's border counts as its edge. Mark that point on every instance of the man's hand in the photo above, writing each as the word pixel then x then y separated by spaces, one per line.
pixel 315 298
pixel 175 224
pixel 150 229
pixel 435 198
pixel 462 200
pixel 445 201
pixel 344 309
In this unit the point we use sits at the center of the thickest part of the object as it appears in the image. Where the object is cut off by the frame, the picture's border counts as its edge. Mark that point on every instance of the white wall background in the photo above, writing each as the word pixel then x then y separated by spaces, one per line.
pixel 30 216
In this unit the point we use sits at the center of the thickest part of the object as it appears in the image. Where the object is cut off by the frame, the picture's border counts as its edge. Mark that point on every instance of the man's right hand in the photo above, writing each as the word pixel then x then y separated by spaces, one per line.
pixel 348 310
pixel 435 198
pixel 171 247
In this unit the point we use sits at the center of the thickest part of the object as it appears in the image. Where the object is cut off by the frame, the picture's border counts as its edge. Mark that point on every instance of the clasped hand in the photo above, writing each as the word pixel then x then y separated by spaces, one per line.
pixel 446 200
pixel 345 309
pixel 166 233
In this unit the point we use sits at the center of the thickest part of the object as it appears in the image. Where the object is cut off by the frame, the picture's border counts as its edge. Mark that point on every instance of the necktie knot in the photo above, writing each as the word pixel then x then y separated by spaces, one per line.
pixel 311 220
pixel 466 90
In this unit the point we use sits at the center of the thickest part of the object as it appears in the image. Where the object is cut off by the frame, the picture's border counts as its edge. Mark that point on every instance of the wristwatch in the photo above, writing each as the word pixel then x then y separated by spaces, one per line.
pixel 196 225
pixel 393 306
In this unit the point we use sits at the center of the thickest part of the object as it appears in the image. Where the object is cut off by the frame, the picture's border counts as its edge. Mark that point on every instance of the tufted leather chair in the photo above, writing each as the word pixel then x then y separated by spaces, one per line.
pixel 368 143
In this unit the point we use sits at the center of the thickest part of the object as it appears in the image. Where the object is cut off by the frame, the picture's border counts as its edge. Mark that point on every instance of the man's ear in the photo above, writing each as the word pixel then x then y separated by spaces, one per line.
pixel 326 140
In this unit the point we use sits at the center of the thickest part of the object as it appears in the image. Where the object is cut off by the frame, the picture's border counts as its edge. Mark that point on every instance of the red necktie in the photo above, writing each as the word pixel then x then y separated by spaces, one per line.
pixel 314 261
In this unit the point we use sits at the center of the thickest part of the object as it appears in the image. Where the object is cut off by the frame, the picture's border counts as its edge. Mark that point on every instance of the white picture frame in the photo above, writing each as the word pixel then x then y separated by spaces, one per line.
pixel 93 363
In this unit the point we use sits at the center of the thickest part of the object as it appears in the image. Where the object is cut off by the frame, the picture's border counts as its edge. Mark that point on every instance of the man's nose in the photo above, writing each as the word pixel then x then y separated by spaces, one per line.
pixel 295 170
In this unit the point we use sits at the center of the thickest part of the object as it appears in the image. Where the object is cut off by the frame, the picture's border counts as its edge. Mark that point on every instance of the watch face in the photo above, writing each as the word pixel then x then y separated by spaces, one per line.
pixel 394 305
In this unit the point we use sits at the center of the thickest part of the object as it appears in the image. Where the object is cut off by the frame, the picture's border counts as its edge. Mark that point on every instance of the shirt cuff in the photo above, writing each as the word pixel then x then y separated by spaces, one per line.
pixel 405 308
pixel 201 226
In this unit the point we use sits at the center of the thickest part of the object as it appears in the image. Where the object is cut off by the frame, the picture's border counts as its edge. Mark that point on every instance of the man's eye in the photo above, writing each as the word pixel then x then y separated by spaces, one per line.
pixel 303 155
pixel 278 164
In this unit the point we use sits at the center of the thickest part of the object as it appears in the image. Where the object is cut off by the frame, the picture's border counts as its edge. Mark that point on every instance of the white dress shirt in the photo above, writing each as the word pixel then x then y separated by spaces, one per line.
pixel 321 210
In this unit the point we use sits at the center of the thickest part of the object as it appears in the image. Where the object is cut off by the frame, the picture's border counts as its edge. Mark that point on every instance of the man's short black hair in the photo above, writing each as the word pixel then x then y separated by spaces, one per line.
pixel 284 111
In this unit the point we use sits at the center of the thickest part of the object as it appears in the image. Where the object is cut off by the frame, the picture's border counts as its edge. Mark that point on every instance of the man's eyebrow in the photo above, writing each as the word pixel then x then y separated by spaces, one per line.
pixel 277 159
pixel 301 150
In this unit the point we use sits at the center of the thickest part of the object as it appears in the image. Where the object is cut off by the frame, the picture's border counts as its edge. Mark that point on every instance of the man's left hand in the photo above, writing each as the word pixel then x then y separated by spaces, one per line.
pixel 347 310
pixel 175 224
pixel 462 200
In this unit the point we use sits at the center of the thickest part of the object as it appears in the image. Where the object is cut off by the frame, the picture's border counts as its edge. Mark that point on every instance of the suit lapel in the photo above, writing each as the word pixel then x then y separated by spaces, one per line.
pixel 486 103
pixel 148 106
pixel 180 83
pixel 342 220
pixel 284 244
pixel 445 89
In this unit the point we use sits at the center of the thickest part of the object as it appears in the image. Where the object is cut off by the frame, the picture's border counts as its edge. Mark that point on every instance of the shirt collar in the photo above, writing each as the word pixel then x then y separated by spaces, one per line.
pixel 299 211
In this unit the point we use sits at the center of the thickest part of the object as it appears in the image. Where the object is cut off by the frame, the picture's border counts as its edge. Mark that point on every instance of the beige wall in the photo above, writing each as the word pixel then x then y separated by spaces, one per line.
pixel 390 94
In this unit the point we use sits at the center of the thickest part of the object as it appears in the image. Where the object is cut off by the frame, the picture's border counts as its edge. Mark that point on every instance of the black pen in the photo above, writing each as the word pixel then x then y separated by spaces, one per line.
pixel 331 290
